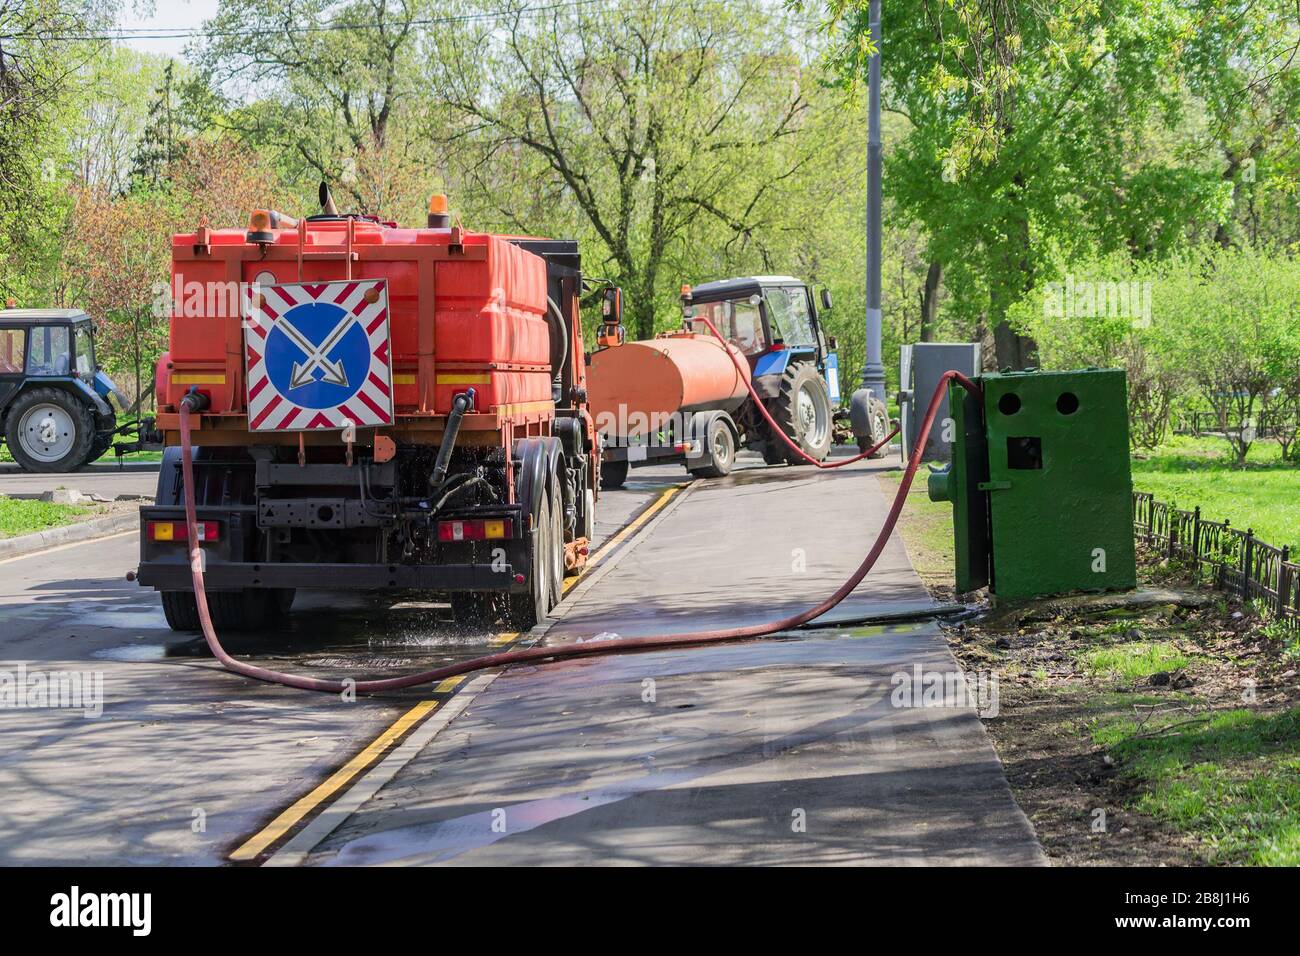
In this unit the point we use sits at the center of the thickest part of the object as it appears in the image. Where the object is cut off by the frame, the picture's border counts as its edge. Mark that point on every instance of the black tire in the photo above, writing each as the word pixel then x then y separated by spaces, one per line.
pixel 555 579
pixel 247 610
pixel 181 610
pixel 80 439
pixel 722 452
pixel 473 610
pixel 250 609
pixel 527 608
pixel 807 422
pixel 613 474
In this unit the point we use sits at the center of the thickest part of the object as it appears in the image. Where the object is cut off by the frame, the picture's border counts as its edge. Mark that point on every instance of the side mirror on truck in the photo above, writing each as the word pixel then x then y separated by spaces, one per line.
pixel 611 316
pixel 826 298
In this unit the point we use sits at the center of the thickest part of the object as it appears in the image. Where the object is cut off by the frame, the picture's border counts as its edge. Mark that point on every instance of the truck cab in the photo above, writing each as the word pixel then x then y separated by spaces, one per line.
pixel 56 405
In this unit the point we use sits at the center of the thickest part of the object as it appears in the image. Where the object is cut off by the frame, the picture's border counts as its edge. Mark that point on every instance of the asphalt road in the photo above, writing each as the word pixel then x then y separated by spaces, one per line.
pixel 187 760
pixel 792 750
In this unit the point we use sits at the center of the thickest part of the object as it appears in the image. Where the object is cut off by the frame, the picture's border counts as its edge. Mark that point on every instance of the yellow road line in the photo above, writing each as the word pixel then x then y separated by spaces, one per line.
pixel 289 818
pixel 637 522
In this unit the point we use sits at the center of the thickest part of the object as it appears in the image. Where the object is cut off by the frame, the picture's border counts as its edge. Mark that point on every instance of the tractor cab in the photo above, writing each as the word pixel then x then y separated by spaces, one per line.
pixel 793 365
pixel 56 409
pixel 771 319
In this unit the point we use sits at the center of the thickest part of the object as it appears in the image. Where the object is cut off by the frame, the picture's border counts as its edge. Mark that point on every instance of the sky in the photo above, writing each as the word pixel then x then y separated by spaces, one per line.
pixel 167 16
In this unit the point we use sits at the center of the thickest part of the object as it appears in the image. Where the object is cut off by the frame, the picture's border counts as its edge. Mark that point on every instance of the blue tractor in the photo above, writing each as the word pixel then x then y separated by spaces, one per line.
pixel 794 365
pixel 57 409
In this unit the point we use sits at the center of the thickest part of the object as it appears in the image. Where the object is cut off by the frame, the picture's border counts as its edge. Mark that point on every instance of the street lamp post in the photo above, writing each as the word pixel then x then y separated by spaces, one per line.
pixel 864 422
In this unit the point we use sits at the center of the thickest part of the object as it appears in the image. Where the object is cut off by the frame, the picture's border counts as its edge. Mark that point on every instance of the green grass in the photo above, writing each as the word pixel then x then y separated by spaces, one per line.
pixel 1233 781
pixel 24 517
pixel 108 458
pixel 1186 472
pixel 1133 660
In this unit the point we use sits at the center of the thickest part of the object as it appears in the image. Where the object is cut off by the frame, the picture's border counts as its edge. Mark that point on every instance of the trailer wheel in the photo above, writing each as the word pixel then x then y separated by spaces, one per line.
pixel 613 474
pixel 802 408
pixel 250 609
pixel 49 430
pixel 722 452
pixel 879 428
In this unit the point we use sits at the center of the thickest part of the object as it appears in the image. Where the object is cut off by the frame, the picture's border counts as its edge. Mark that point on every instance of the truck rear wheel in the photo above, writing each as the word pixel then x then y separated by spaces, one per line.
pixel 802 408
pixel 529 607
pixel 181 610
pixel 722 452
pixel 473 610
pixel 49 430
pixel 555 550
pixel 246 610
pixel 613 474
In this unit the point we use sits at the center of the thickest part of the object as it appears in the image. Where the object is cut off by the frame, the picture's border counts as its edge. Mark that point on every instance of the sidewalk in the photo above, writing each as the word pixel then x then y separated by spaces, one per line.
pixel 786 751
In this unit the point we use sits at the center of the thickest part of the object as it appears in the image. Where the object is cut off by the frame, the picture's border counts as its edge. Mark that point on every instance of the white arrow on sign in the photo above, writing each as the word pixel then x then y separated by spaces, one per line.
pixel 317 354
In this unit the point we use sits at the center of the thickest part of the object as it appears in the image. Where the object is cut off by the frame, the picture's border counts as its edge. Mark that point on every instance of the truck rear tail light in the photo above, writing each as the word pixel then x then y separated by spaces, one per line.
pixel 179 531
pixel 487 529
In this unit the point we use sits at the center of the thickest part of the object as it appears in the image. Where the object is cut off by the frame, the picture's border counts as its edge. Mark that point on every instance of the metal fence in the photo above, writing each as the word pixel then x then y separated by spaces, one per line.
pixel 1268 424
pixel 1231 559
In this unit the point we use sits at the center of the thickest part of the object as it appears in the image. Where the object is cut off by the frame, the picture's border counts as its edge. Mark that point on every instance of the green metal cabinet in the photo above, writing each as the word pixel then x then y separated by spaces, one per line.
pixel 1040 484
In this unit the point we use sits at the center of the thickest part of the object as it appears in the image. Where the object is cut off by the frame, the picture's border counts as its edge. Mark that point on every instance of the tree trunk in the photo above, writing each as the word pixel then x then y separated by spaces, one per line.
pixel 930 300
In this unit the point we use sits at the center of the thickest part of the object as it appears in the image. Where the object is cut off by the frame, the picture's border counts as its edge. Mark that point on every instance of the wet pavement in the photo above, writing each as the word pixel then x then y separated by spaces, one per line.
pixel 186 760
pixel 779 751
pixel 791 750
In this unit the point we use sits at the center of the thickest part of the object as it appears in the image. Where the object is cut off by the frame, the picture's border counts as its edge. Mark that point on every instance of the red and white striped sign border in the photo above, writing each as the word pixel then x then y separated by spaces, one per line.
pixel 268 410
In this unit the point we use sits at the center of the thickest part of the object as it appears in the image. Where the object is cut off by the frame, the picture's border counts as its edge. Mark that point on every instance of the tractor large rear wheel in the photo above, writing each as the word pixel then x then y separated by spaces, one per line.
pixel 802 408
pixel 49 430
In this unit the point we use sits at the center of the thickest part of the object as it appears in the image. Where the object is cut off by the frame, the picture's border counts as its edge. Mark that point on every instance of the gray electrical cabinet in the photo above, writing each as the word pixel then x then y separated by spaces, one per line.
pixel 921 365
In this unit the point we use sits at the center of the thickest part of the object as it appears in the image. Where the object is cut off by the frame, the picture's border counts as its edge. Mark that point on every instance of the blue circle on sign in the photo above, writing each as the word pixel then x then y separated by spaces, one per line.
pixel 317 355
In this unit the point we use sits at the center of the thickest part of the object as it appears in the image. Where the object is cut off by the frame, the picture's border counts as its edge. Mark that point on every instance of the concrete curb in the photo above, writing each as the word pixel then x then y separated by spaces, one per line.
pixel 68 534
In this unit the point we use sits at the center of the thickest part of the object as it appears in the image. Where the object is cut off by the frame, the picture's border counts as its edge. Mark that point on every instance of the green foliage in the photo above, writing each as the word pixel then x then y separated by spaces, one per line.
pixel 19 516
pixel 1134 660
pixel 1232 780
pixel 1188 473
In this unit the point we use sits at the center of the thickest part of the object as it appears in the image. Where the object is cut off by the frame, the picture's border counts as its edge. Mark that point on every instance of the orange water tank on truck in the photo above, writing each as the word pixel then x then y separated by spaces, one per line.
pixel 382 408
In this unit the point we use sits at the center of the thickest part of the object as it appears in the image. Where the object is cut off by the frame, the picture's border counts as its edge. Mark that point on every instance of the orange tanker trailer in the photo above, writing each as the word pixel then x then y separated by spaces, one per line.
pixel 680 397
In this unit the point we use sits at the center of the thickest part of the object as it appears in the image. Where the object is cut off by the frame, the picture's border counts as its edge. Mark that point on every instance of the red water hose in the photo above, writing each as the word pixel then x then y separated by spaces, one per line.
pixel 537 654
pixel 771 422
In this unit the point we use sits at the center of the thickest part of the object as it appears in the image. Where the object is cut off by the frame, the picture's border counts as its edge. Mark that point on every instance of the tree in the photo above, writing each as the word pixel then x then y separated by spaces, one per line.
pixel 655 123
pixel 334 81
pixel 41 56
pixel 1034 137
pixel 1233 331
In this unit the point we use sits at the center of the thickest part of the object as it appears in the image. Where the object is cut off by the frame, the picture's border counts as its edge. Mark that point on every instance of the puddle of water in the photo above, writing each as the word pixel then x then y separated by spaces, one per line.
pixel 132 653
pixel 444 839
